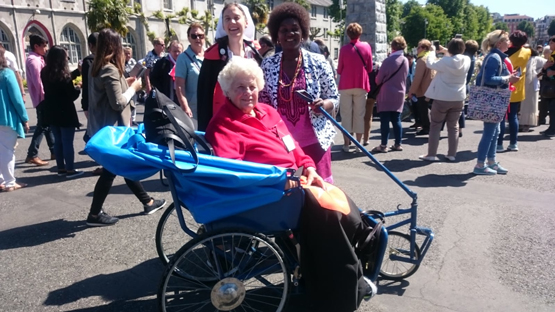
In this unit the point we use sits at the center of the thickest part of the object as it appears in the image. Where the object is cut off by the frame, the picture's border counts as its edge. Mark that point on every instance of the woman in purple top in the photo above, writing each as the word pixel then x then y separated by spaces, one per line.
pixel 393 76
pixel 355 62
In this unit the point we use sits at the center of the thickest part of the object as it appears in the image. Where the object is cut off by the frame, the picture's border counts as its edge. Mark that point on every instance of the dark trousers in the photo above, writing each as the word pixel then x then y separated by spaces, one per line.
pixel 543 110
pixel 414 112
pixel 551 108
pixel 424 112
pixel 40 131
pixel 330 266
pixel 512 117
pixel 395 119
pixel 63 147
pixel 102 188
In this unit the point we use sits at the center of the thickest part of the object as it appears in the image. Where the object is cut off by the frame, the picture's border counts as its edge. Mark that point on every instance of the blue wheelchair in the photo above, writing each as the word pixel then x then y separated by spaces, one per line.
pixel 239 225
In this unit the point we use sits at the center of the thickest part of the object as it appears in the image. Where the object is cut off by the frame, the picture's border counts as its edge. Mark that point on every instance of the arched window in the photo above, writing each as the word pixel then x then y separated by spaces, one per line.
pixel 5 40
pixel 129 41
pixel 33 30
pixel 70 40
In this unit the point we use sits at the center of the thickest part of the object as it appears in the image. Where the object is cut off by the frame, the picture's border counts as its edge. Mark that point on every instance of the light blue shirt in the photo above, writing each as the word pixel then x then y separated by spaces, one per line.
pixel 12 109
pixel 188 67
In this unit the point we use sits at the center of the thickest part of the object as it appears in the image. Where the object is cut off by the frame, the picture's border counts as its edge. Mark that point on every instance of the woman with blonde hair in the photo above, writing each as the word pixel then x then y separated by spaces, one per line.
pixel 110 105
pixel 355 62
pixel 496 43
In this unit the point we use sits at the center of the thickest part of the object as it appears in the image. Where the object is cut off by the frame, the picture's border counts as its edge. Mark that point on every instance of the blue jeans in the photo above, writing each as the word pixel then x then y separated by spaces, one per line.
pixel 40 132
pixel 395 119
pixel 63 147
pixel 513 124
pixel 487 146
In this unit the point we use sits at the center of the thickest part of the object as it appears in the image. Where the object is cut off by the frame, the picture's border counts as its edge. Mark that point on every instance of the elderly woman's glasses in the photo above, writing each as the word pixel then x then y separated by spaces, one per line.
pixel 195 36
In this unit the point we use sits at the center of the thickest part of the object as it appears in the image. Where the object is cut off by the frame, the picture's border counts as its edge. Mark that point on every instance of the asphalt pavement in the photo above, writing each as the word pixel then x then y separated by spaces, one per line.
pixel 494 247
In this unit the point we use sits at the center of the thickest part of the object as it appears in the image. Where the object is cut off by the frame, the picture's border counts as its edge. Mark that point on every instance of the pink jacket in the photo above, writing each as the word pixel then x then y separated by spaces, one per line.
pixel 33 66
pixel 353 73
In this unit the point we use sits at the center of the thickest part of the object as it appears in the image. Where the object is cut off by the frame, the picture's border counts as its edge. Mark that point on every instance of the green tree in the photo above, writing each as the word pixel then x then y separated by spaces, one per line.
pixel 315 32
pixel 484 22
pixel 407 7
pixel 338 15
pixel 501 25
pixel 471 23
pixel 526 27
pixel 393 10
pixel 259 12
pixel 112 14
pixel 551 29
pixel 451 8
pixel 438 28
pixel 304 3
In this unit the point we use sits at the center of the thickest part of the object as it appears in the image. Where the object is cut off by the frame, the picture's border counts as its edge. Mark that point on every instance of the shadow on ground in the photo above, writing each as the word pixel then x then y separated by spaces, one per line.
pixel 139 281
pixel 435 180
pixel 38 234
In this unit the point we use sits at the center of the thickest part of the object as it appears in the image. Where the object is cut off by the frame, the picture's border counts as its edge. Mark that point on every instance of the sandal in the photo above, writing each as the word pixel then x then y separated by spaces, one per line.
pixel 397 148
pixel 17 186
pixel 379 149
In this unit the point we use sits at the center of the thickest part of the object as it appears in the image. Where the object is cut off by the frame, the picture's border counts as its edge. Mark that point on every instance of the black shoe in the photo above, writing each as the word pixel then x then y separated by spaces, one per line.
pixel 82 152
pixel 103 219
pixel 156 205
pixel 460 134
pixel 74 174
pixel 422 132
pixel 549 133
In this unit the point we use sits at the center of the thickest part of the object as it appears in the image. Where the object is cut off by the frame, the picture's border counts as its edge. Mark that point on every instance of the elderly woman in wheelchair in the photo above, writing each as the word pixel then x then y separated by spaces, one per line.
pixel 244 129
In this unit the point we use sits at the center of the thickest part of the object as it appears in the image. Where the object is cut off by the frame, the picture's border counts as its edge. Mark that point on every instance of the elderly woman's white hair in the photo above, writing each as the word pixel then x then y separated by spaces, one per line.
pixel 239 65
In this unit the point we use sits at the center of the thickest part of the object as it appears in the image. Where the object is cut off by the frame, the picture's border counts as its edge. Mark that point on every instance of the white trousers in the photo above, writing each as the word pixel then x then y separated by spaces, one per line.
pixel 8 142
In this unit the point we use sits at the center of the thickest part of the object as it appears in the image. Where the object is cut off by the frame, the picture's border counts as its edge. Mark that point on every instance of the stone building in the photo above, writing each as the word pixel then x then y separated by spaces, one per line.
pixel 370 14
pixel 63 22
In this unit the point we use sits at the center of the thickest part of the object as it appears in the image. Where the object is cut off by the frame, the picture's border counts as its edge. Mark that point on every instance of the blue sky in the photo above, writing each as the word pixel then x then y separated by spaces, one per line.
pixel 532 8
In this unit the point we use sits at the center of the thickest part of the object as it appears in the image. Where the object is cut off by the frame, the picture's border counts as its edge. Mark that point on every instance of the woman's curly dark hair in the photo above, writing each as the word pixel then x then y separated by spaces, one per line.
pixel 288 10
pixel 56 68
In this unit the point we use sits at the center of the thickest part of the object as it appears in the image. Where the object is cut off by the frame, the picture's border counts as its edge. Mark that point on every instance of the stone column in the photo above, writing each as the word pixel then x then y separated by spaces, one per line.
pixel 370 14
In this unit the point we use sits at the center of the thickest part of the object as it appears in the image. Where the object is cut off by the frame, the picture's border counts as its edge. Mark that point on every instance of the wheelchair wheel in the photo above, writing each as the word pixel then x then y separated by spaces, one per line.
pixel 169 234
pixel 398 244
pixel 232 270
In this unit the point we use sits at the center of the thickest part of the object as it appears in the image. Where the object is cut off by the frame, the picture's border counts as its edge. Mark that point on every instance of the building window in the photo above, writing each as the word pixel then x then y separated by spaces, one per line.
pixel 129 41
pixel 314 10
pixel 335 53
pixel 130 3
pixel 325 33
pixel 5 40
pixel 70 41
pixel 270 4
pixel 326 13
pixel 167 4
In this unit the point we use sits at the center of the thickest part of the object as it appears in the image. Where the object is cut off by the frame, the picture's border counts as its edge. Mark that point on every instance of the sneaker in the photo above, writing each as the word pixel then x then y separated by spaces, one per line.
pixel 156 205
pixel 484 171
pixel 451 158
pixel 372 289
pixel 74 174
pixel 498 168
pixel 103 219
pixel 500 148
pixel 346 148
pixel 512 147
pixel 549 133
pixel 62 172
pixel 422 132
pixel 428 158
pixel 357 150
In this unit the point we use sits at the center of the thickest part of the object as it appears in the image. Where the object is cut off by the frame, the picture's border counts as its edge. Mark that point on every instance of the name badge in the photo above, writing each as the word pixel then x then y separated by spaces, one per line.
pixel 289 143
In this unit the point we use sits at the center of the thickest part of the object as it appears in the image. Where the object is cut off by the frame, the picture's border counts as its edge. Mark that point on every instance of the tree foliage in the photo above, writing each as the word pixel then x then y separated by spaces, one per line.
pixel 438 28
pixel 338 15
pixel 526 27
pixel 501 25
pixel 551 29
pixel 393 10
pixel 112 14
pixel 407 7
pixel 304 3
pixel 259 12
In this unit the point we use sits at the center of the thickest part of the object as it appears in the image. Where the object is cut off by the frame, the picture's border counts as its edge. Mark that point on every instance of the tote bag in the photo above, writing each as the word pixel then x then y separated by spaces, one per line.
pixel 488 104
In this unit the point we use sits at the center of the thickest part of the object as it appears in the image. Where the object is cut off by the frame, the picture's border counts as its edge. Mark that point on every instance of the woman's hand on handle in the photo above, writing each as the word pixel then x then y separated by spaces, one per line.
pixel 325 104
pixel 313 178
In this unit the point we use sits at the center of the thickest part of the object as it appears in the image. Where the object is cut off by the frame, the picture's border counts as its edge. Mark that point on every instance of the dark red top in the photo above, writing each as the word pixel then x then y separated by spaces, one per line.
pixel 236 135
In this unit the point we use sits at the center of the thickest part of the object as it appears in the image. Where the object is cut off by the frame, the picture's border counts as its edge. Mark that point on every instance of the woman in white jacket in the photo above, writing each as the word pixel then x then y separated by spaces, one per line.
pixel 448 92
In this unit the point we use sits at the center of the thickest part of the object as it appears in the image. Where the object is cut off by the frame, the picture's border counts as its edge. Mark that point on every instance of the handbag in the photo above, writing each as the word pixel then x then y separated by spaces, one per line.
pixel 488 104
pixel 547 90
pixel 167 124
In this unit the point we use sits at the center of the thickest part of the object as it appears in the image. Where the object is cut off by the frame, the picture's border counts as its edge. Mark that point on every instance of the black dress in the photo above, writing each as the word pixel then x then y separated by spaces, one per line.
pixel 58 105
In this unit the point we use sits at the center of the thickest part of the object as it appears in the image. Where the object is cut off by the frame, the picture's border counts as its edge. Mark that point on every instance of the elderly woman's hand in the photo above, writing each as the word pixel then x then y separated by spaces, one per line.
pixel 313 178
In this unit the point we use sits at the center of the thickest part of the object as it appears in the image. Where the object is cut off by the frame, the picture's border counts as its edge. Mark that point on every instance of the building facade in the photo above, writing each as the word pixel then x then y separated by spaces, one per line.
pixel 512 20
pixel 63 22
pixel 542 25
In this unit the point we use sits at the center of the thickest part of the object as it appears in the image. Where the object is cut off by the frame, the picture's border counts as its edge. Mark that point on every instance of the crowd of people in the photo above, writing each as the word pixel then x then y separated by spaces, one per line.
pixel 251 90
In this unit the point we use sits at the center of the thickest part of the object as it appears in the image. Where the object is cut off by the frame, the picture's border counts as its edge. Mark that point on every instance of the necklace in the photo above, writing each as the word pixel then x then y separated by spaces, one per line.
pixel 283 85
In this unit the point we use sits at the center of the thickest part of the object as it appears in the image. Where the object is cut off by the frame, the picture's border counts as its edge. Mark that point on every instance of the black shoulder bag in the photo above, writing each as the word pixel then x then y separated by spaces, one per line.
pixel 167 124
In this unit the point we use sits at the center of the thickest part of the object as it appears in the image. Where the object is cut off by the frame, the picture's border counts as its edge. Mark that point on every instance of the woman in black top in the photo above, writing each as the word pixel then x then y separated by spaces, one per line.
pixel 59 109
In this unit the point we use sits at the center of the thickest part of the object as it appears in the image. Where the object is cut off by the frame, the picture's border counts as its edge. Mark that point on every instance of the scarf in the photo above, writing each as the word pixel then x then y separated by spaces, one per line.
pixel 422 54
pixel 172 71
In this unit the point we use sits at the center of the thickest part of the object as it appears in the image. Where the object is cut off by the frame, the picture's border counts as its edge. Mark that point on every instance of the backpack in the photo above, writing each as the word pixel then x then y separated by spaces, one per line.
pixel 167 124
pixel 367 241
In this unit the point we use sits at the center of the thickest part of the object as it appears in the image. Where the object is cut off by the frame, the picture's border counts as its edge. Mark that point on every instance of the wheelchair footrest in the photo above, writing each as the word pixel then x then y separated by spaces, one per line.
pixel 424 231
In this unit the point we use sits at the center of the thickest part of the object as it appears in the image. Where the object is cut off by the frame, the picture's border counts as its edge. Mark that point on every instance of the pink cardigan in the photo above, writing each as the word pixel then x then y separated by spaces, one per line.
pixel 353 73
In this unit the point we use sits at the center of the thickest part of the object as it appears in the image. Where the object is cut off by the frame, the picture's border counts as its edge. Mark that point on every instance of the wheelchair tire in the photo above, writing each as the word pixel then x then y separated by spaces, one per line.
pixel 226 270
pixel 398 243
pixel 169 234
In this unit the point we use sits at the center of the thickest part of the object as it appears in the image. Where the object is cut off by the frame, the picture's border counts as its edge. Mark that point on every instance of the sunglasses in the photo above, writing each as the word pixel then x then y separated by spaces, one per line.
pixel 195 36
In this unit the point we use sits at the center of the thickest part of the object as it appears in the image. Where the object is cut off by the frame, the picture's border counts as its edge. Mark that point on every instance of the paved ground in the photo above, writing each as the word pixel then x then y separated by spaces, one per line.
pixel 493 251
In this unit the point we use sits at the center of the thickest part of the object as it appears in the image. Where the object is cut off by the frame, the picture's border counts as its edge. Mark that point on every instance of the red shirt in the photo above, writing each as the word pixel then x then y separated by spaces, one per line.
pixel 236 135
